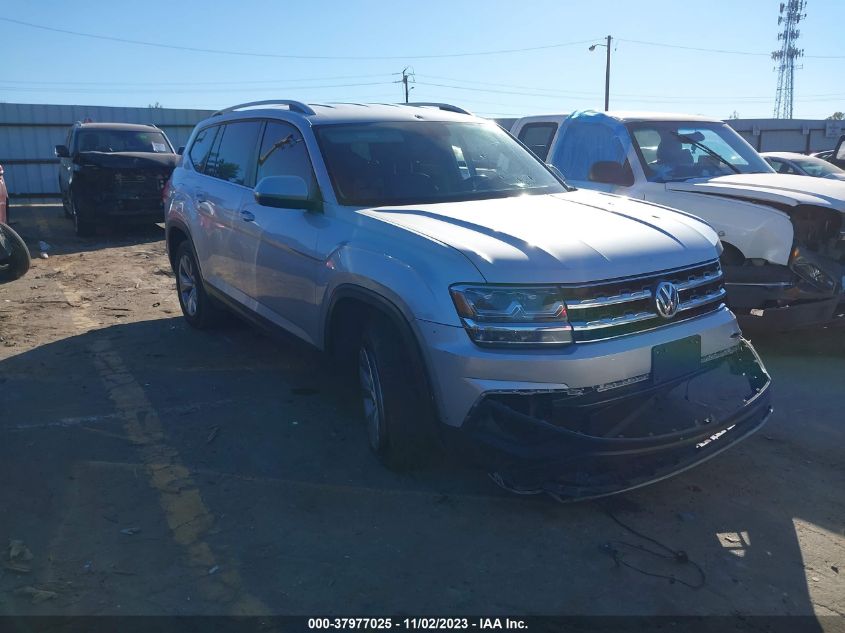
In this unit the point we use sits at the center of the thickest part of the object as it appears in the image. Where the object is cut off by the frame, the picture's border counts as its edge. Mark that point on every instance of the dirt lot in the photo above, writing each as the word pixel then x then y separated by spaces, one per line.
pixel 152 469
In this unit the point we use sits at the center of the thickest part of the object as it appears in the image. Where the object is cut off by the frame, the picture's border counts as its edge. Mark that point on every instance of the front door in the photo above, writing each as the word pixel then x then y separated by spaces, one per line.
pixel 286 262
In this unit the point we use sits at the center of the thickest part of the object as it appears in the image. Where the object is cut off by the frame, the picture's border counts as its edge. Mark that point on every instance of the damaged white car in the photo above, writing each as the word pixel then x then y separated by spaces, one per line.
pixel 783 235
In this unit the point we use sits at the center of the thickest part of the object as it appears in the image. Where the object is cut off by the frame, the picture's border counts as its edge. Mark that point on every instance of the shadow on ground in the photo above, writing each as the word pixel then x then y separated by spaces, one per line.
pixel 299 518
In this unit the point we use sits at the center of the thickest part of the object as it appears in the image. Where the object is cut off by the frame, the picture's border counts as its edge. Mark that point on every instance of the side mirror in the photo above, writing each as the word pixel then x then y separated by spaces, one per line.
pixel 181 150
pixel 286 192
pixel 611 173
pixel 62 151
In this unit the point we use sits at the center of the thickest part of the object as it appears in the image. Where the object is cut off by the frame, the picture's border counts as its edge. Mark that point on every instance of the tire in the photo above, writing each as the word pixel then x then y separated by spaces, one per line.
pixel 199 310
pixel 82 227
pixel 395 409
pixel 14 254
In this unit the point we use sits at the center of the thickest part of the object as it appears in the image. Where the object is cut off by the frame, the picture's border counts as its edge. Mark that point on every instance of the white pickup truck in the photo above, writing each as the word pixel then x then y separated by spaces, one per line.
pixel 783 235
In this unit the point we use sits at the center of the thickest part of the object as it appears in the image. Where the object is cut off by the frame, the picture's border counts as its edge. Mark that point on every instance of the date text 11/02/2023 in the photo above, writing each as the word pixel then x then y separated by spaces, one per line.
pixel 425 623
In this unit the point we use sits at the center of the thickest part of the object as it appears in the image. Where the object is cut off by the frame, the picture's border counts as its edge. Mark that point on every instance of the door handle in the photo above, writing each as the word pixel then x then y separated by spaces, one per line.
pixel 247 216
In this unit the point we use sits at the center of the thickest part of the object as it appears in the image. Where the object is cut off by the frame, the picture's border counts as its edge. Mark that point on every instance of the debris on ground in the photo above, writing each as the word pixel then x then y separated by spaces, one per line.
pixel 213 434
pixel 18 557
pixel 130 531
pixel 214 570
pixel 37 595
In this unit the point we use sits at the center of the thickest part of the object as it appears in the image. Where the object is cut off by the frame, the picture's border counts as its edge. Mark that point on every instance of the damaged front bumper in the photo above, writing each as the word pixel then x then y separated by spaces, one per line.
pixel 810 291
pixel 583 444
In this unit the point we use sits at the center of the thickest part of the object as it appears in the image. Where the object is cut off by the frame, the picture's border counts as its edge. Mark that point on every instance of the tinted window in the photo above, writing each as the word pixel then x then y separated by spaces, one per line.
pixel 201 147
pixel 538 137
pixel 105 140
pixel 283 153
pixel 234 155
pixel 399 163
pixel 840 151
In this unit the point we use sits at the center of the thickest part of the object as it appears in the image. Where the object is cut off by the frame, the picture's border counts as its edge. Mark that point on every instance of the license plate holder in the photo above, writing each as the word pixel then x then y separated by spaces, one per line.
pixel 675 359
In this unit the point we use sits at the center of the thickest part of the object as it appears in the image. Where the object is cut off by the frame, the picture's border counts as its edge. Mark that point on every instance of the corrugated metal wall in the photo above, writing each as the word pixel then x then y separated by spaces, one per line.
pixel 28 133
pixel 789 135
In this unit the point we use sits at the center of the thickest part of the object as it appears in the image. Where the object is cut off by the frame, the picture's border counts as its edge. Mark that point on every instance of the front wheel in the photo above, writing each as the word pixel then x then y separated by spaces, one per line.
pixel 394 405
pixel 82 226
pixel 14 254
pixel 198 308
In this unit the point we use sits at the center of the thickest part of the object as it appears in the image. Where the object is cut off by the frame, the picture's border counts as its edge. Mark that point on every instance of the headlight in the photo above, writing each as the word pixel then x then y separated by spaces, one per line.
pixel 808 269
pixel 507 315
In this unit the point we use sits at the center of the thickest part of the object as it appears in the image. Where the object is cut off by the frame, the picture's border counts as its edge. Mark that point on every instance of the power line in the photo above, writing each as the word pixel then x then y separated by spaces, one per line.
pixel 719 50
pixel 191 83
pixel 187 90
pixel 216 51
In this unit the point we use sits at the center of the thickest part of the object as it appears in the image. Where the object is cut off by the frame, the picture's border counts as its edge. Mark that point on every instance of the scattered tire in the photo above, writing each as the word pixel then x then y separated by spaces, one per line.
pixel 395 408
pixel 14 254
pixel 199 310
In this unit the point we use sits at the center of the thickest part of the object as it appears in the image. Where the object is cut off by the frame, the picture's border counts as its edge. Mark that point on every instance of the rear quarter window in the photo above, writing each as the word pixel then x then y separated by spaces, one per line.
pixel 201 147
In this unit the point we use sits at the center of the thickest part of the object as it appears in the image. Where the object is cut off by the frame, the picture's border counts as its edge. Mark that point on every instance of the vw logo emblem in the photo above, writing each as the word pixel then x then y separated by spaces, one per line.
pixel 666 299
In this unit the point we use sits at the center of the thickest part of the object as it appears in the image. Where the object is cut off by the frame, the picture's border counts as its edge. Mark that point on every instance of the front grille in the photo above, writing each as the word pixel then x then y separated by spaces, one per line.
pixel 626 306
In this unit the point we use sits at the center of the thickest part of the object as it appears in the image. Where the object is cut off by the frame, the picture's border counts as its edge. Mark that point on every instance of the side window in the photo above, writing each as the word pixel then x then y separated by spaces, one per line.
pixel 283 153
pixel 840 151
pixel 201 147
pixel 234 155
pixel 538 137
pixel 584 143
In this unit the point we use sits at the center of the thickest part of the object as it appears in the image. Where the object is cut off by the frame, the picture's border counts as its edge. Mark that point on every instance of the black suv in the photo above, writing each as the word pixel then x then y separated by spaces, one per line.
pixel 114 173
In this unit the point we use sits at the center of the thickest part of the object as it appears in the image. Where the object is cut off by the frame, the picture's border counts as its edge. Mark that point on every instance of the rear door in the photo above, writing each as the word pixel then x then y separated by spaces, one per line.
pixel 285 260
pixel 220 194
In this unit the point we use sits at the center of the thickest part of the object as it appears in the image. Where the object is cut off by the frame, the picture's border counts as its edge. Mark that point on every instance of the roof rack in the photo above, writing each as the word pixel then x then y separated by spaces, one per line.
pixel 440 106
pixel 294 106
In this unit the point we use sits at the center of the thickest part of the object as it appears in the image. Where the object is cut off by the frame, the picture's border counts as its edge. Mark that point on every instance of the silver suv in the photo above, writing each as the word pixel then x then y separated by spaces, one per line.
pixel 572 342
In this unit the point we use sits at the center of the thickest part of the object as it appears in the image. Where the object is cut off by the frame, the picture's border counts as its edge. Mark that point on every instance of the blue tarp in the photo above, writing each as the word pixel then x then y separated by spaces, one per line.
pixel 586 137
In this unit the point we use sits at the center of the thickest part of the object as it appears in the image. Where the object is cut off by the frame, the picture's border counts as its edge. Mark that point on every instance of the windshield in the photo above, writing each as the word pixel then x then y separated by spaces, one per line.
pixel 399 163
pixel 676 150
pixel 102 140
pixel 817 167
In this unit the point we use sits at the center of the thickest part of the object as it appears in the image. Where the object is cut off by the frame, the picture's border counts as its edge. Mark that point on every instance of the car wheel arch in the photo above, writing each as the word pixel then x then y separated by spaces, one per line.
pixel 362 303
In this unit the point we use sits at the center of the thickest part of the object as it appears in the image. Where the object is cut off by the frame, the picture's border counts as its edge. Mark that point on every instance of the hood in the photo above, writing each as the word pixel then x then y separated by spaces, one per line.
pixel 128 160
pixel 575 237
pixel 783 189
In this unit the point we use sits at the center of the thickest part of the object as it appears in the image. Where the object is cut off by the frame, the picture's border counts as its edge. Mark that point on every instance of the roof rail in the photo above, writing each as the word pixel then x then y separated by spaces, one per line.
pixel 294 106
pixel 440 106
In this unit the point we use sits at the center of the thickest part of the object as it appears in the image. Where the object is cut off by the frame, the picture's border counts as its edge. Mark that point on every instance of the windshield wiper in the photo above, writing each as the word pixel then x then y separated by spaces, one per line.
pixel 686 139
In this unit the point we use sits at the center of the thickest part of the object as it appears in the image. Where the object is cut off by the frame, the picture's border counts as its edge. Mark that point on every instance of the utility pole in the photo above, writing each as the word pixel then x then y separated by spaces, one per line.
pixel 405 77
pixel 606 72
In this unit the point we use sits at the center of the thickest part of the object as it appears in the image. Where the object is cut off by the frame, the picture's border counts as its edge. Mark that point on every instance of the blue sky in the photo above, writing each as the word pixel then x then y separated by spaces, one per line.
pixel 48 67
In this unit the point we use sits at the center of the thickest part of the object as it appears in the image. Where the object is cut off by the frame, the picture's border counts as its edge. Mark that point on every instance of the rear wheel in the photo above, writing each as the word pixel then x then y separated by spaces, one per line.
pixel 14 254
pixel 395 409
pixel 198 308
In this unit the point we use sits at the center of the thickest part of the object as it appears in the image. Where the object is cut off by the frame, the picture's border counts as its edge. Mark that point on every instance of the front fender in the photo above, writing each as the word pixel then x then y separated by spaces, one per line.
pixel 417 285
pixel 757 230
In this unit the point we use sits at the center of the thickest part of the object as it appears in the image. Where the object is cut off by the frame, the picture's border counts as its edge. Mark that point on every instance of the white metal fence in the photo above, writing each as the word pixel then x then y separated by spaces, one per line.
pixel 28 133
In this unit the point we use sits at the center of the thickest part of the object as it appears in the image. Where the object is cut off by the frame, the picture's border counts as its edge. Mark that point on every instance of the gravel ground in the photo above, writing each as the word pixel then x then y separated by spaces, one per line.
pixel 147 468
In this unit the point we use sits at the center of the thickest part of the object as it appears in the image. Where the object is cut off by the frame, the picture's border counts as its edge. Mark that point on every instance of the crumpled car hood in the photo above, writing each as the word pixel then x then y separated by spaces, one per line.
pixel 784 189
pixel 575 237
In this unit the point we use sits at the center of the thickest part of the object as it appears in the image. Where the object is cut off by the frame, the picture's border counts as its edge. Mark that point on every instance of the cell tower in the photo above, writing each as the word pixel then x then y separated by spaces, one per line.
pixel 791 13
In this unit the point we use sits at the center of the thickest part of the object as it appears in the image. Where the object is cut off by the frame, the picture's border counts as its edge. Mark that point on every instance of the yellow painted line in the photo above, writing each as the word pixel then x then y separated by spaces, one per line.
pixel 187 516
